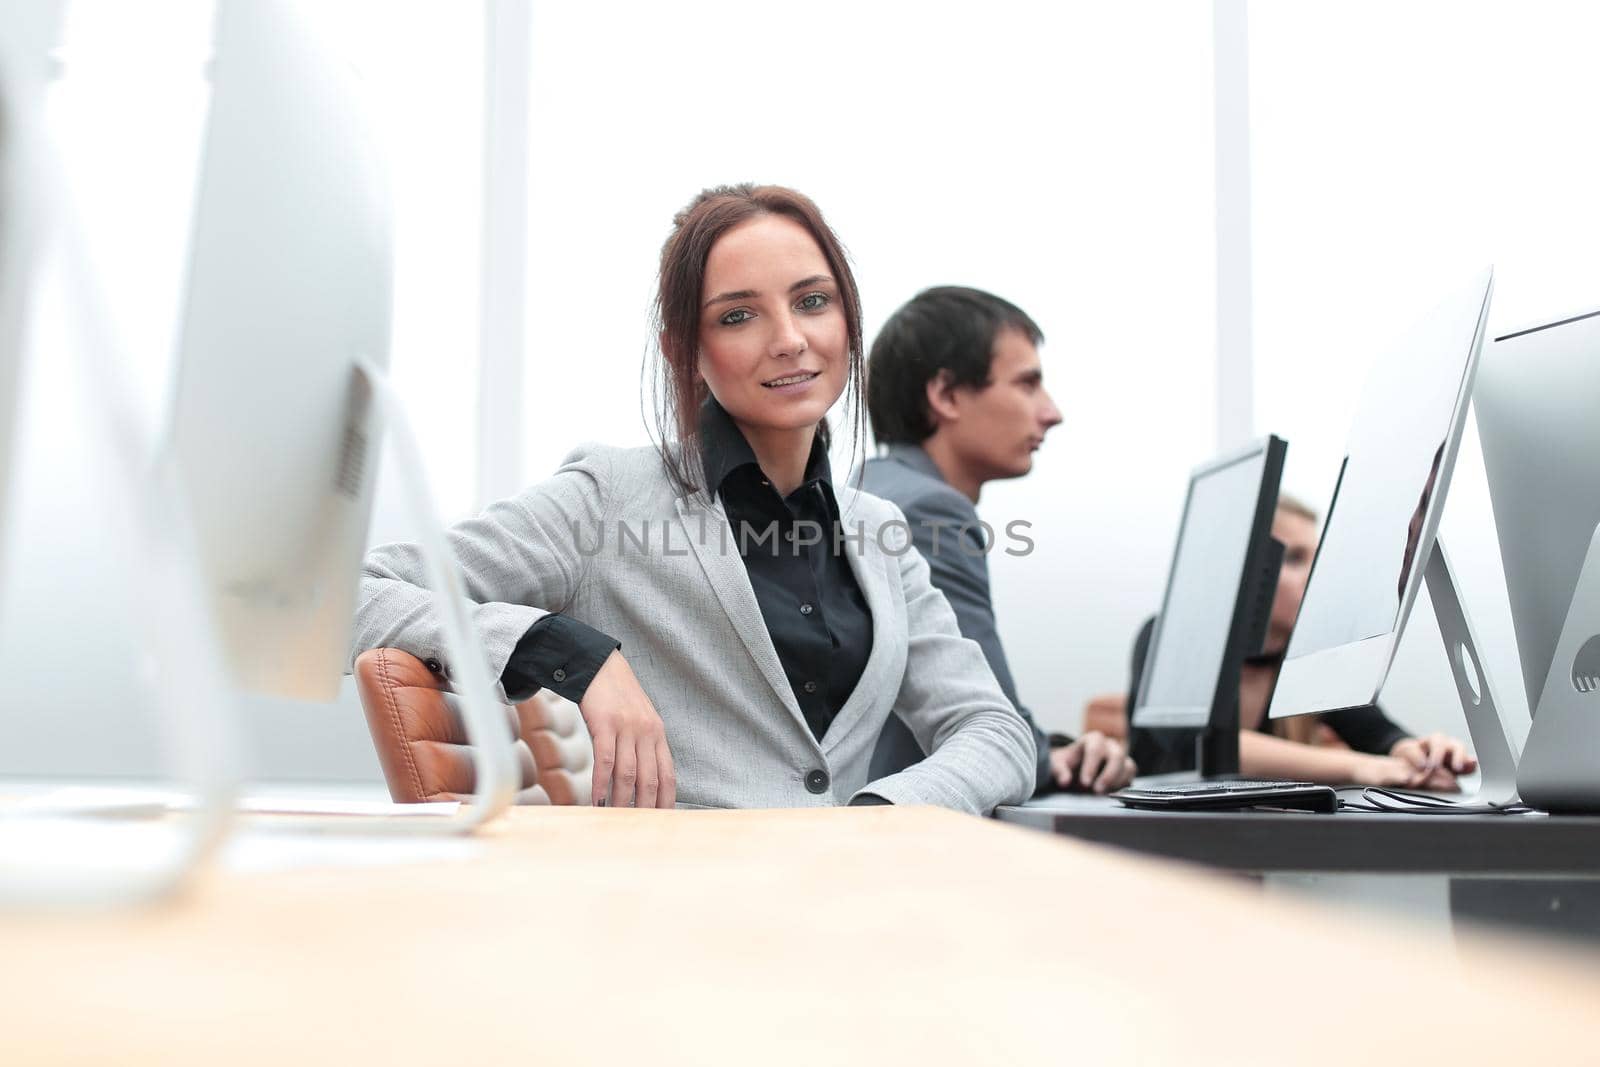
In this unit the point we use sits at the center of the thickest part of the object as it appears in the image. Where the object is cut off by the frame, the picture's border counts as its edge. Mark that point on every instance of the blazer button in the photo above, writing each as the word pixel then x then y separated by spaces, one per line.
pixel 817 781
pixel 559 675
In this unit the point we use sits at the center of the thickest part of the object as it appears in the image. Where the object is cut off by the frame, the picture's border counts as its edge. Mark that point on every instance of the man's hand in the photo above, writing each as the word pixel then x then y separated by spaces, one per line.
pixel 632 764
pixel 1092 762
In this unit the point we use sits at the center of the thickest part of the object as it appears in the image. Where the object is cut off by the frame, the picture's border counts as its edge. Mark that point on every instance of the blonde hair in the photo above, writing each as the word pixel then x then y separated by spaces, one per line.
pixel 1293 505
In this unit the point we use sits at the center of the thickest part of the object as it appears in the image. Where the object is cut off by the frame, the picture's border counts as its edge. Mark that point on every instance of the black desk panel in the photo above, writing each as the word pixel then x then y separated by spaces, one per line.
pixel 1346 842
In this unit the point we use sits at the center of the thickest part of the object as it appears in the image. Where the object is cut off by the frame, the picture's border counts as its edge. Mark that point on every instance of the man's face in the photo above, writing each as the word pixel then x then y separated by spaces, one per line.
pixel 1299 537
pixel 1002 423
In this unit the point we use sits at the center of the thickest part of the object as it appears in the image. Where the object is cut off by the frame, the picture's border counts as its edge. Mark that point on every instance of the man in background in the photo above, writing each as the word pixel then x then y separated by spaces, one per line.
pixel 956 397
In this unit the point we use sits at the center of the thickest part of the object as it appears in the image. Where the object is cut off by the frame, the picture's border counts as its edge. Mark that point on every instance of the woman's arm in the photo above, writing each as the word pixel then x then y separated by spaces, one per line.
pixel 519 560
pixel 1264 756
pixel 980 752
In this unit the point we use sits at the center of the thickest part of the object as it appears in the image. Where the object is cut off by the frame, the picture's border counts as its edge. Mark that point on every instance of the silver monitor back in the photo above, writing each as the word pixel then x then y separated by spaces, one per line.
pixel 1538 405
pixel 289 283
pixel 1382 523
pixel 1538 410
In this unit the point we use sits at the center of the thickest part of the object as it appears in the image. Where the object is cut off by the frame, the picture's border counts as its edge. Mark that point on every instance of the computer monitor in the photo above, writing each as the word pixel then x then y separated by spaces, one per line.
pixel 288 287
pixel 1538 409
pixel 1379 537
pixel 55 858
pixel 1217 604
pixel 280 393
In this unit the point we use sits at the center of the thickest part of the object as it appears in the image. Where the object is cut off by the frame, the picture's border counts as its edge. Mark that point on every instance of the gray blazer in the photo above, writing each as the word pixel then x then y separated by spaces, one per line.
pixel 908 478
pixel 609 541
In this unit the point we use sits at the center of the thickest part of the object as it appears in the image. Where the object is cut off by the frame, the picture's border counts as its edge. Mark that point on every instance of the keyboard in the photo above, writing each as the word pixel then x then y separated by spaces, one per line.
pixel 1231 794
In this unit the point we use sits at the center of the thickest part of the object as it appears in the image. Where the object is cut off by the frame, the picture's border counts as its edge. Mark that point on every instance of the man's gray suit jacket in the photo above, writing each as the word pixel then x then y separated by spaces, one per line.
pixel 944 527
pixel 610 541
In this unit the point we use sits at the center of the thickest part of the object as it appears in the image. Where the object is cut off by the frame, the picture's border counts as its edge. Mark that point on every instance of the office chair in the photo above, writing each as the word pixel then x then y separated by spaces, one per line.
pixel 422 743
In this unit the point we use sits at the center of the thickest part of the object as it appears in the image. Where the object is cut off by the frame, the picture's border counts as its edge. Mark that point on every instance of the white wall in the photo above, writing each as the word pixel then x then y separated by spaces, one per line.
pixel 1398 148
pixel 1057 155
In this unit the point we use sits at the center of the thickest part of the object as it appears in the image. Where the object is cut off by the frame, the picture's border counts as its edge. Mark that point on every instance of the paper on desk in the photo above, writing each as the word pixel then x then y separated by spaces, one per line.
pixel 74 852
pixel 137 802
pixel 250 851
pixel 271 804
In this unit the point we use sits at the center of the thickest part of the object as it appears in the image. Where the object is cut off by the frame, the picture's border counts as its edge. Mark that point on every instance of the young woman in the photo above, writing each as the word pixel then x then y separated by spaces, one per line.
pixel 734 626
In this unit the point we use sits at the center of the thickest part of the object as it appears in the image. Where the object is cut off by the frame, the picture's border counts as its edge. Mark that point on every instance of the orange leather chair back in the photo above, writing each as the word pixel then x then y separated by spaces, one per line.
pixel 422 741
pixel 1108 714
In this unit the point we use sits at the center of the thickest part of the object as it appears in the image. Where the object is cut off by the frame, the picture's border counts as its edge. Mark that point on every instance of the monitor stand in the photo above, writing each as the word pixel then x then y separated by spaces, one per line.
pixel 1216 750
pixel 494 757
pixel 1496 752
pixel 1559 771
pixel 375 407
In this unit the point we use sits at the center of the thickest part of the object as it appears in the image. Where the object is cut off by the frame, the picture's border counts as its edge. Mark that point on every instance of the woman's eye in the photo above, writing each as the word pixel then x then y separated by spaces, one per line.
pixel 813 302
pixel 734 317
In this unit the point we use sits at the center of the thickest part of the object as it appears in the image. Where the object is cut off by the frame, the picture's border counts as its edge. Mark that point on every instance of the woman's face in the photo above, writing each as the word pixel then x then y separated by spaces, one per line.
pixel 773 342
pixel 1299 537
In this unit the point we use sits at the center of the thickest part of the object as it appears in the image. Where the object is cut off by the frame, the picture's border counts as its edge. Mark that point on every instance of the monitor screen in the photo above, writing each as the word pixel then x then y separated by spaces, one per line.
pixel 1190 642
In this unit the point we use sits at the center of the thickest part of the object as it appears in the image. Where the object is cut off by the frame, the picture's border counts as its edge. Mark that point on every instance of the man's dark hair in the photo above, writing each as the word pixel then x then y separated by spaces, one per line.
pixel 948 328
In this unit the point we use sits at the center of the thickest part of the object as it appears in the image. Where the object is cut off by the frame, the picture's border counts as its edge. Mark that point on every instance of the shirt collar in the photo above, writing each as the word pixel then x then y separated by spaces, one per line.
pixel 723 450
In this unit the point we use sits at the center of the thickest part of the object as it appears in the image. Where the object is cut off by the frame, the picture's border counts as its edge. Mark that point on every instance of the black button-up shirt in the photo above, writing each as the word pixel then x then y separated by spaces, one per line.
pixel 795 556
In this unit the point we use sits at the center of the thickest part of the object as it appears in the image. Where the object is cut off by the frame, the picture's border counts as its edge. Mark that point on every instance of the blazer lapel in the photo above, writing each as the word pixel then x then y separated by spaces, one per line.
pixel 706 527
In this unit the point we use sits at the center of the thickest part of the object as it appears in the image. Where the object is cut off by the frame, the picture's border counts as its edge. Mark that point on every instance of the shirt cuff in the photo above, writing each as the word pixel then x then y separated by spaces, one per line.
pixel 867 800
pixel 557 653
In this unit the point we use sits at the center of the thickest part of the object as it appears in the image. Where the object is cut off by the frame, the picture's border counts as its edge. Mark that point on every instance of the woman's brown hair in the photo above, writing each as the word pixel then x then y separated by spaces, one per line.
pixel 678 388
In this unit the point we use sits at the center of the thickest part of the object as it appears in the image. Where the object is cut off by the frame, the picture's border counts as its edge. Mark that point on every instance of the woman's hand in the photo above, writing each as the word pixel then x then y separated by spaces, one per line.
pixel 632 764
pixel 1434 753
pixel 1396 772
pixel 1094 761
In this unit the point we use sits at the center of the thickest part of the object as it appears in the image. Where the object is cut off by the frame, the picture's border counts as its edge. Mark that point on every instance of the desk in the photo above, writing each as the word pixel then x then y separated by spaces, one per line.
pixel 881 935
pixel 1533 871
pixel 1347 841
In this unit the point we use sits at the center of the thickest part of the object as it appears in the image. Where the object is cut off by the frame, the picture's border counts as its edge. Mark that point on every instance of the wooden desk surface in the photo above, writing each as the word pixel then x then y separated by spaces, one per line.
pixel 879 935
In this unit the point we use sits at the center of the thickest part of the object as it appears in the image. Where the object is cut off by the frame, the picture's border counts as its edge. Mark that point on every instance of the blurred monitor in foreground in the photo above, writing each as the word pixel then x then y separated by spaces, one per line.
pixel 281 387
pixel 27 32
pixel 288 286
